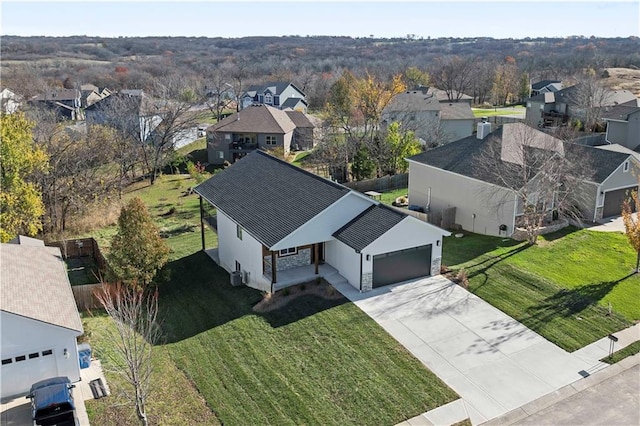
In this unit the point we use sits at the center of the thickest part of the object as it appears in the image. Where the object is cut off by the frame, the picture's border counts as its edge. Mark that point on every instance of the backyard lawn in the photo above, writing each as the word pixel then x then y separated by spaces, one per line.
pixel 560 288
pixel 314 361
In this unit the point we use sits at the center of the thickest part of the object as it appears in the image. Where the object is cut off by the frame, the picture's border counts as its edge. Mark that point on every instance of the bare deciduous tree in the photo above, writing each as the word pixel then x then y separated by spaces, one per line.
pixel 589 99
pixel 135 317
pixel 545 174
pixel 453 74
pixel 631 220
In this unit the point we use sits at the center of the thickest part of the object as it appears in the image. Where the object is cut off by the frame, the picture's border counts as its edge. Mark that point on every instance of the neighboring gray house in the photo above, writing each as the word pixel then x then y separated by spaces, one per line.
pixel 449 176
pixel 623 124
pixel 130 110
pixel 66 102
pixel 257 126
pixel 429 114
pixel 545 86
pixel 281 95
pixel 555 108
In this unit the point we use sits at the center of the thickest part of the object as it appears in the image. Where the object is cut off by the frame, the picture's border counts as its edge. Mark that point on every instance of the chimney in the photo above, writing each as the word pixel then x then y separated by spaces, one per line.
pixel 484 128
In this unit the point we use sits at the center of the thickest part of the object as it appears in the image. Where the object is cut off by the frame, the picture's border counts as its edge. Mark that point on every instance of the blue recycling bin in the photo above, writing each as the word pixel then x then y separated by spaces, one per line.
pixel 84 355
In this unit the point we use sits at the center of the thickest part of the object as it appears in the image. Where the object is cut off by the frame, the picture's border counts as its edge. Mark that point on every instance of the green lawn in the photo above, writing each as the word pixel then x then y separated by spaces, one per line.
pixel 618 356
pixel 490 112
pixel 298 160
pixel 560 288
pixel 390 197
pixel 312 362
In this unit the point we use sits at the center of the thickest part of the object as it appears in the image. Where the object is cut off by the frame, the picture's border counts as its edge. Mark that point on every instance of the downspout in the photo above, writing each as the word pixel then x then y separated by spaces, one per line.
pixel 202 223
pixel 360 273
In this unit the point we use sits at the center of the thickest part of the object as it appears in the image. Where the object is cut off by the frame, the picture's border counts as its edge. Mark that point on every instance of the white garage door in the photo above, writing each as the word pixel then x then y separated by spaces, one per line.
pixel 22 370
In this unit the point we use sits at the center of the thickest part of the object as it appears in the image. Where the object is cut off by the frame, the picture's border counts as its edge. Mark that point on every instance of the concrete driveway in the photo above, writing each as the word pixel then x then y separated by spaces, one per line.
pixel 609 224
pixel 492 361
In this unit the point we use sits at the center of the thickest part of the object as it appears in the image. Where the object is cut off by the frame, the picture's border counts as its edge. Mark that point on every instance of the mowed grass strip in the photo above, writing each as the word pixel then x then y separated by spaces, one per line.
pixel 541 286
pixel 314 361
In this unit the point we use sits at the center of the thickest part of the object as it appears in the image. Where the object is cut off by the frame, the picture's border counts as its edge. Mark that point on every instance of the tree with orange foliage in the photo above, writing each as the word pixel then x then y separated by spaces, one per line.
pixel 631 222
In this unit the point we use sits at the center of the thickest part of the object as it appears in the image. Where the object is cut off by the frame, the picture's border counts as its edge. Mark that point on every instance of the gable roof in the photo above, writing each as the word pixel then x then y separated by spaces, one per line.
pixel 58 95
pixel 268 197
pixel 622 111
pixel 543 83
pixel 413 100
pixel 255 118
pixel 456 111
pixel 292 103
pixel 275 87
pixel 463 156
pixel 35 285
pixel 368 226
pixel 300 119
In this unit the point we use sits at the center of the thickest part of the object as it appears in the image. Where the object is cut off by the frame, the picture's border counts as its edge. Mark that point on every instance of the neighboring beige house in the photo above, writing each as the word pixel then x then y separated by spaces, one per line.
pixel 623 124
pixel 449 176
pixel 258 127
pixel 430 115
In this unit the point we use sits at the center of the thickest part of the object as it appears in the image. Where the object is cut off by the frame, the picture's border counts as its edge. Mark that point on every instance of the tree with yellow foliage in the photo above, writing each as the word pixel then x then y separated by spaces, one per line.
pixel 21 206
pixel 631 222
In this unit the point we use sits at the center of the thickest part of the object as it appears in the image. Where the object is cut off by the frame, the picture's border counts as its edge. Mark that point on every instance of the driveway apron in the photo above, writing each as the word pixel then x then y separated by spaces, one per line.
pixel 492 361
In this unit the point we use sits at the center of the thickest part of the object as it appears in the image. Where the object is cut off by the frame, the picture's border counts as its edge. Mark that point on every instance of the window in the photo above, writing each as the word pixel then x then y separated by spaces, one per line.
pixel 239 232
pixel 625 167
pixel 238 266
pixel 288 251
pixel 268 99
pixel 220 154
pixel 20 358
pixel 47 352
pixel 6 361
pixel 34 355
pixel 270 140
pixel 227 136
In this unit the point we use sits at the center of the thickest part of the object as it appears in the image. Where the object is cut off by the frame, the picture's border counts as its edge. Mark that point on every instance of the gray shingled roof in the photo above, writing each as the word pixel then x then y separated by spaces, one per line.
pixel 463 157
pixel 300 119
pixel 413 100
pixel 292 103
pixel 622 111
pixel 256 119
pixel 269 197
pixel 35 285
pixel 368 226
pixel 456 111
pixel 543 83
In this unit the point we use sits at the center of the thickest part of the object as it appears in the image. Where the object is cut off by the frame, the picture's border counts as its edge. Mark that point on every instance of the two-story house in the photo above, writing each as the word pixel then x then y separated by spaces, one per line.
pixel 130 110
pixel 66 102
pixel 281 95
pixel 430 114
pixel 255 127
pixel 623 124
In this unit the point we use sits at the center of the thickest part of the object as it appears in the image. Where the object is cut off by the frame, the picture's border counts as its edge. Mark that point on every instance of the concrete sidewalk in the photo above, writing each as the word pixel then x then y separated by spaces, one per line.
pixel 492 361
pixel 609 397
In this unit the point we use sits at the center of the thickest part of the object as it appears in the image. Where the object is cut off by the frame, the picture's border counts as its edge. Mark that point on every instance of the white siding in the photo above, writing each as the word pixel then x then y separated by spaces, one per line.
pixel 345 260
pixel 322 227
pixel 248 251
pixel 22 336
pixel 410 232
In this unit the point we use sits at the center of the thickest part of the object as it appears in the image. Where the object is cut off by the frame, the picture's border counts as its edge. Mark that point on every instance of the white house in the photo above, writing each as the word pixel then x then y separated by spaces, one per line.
pixel 39 320
pixel 270 212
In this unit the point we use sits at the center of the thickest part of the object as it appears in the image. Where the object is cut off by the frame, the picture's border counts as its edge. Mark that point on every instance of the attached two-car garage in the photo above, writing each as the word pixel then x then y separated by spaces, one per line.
pixel 613 201
pixel 401 265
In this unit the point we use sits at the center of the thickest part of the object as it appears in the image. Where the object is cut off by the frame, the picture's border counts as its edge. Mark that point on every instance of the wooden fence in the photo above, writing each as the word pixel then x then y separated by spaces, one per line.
pixel 383 184
pixel 85 296
pixel 83 247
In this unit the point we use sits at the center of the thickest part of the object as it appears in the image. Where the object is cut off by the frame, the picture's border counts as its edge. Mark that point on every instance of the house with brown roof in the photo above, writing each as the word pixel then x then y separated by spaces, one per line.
pixel 257 127
pixel 39 320
pixel 66 102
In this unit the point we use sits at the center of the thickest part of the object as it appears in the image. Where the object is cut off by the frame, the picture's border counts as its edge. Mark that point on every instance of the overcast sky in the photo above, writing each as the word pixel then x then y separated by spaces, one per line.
pixel 233 18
